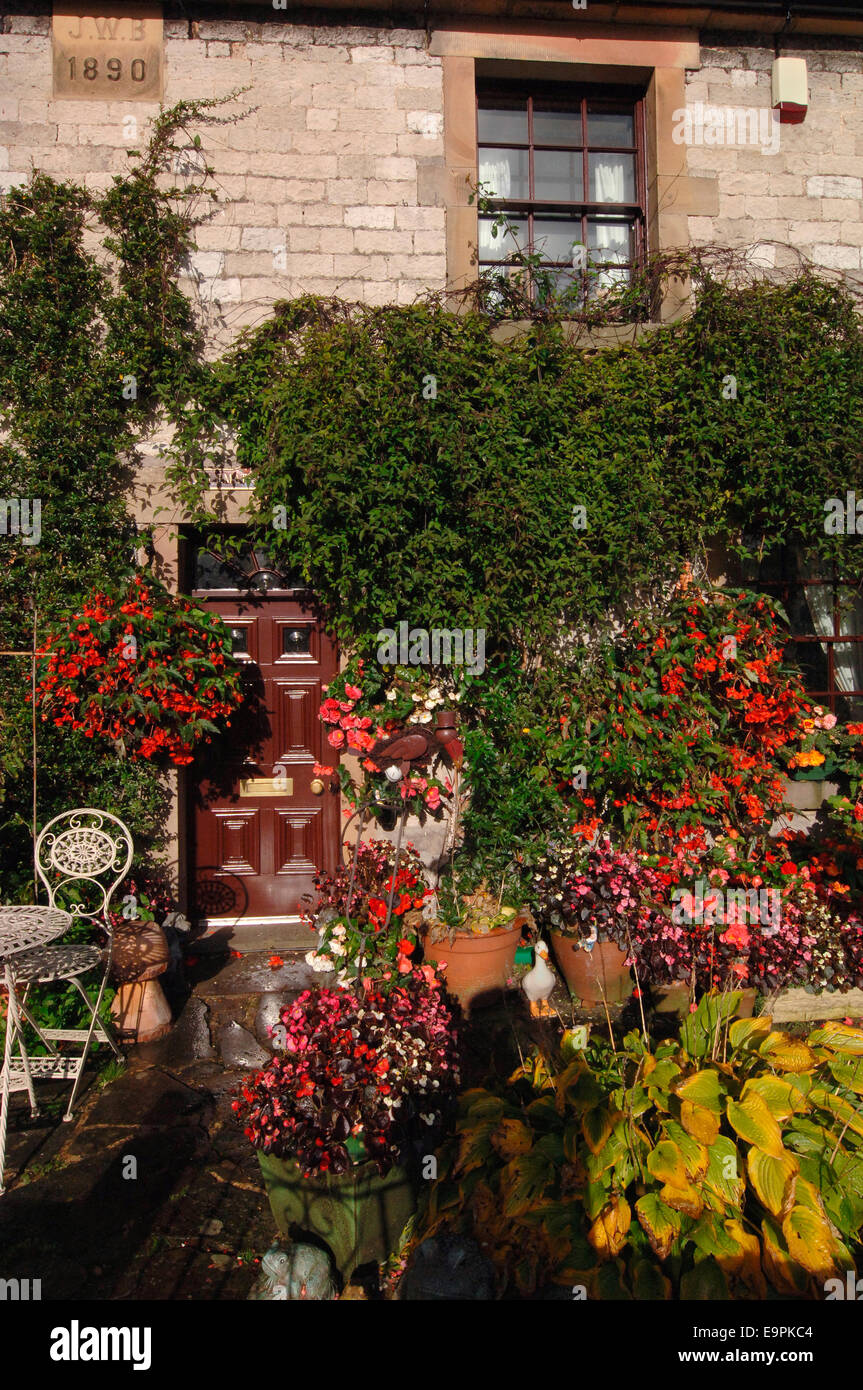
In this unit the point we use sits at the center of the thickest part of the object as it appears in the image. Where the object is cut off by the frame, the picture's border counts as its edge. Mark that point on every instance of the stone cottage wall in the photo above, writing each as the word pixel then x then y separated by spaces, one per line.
pixel 805 198
pixel 327 184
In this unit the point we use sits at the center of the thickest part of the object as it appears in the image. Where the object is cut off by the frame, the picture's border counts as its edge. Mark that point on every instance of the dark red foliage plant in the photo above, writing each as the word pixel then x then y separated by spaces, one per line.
pixel 364 1072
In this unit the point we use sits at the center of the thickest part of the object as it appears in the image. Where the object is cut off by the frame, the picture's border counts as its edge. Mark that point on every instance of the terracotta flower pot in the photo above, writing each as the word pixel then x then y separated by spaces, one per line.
pixel 477 967
pixel 593 975
pixel 359 1215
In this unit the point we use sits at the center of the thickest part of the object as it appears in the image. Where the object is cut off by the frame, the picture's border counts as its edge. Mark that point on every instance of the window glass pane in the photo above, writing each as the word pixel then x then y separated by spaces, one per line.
pixel 612 178
pixel 556 127
pixel 553 237
pixel 296 641
pixel 497 248
pixel 213 573
pixel 502 122
pixel 504 173
pixel 566 287
pixel 558 176
pixel 239 641
pixel 809 657
pixel 610 127
pixel 850 612
pixel 608 279
pixel 609 239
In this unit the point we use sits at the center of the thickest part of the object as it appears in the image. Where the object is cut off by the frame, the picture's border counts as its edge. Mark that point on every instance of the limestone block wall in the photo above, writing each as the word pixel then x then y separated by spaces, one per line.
pixel 326 186
pixel 808 196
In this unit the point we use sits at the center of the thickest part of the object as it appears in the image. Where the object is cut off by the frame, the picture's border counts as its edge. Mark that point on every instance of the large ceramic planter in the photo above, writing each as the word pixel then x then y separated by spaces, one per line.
pixel 477 967
pixel 595 975
pixel 359 1215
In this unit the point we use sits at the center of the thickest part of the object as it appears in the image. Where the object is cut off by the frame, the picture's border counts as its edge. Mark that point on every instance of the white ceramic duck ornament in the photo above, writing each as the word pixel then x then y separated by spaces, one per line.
pixel 539 982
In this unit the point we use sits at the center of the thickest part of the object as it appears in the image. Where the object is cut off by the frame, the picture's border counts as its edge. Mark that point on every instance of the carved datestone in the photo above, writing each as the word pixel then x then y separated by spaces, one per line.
pixel 107 52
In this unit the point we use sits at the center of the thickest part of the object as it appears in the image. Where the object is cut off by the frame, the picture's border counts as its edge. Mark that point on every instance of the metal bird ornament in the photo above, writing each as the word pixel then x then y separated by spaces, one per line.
pixel 415 746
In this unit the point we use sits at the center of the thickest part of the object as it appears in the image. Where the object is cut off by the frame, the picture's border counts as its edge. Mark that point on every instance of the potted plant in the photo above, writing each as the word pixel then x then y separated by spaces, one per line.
pixel 356 936
pixel 475 940
pixel 592 901
pixel 357 1092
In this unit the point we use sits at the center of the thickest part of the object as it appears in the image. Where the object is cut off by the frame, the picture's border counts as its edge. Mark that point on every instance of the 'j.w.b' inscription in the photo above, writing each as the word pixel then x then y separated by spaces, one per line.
pixel 107 52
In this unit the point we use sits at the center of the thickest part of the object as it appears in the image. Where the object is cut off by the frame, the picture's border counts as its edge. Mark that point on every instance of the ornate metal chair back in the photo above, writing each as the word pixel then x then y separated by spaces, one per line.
pixel 81 857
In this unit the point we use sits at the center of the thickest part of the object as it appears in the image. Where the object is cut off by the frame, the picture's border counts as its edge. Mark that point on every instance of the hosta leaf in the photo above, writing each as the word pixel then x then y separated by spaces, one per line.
pixel 747 1033
pixel 694 1153
pixel 511 1138
pixel 710 1237
pixel 840 1107
pixel 839 1036
pixel 474 1147
pixel 781 1098
pixel 662 1075
pixel 751 1119
pixel 660 1223
pixel 724 1175
pixel 701 1089
pixel 607 1235
pixel 773 1179
pixel 524 1180
pixel 608 1285
pixel 702 1124
pixel 787 1053
pixel 747 1264
pixel 596 1126
pixel 700 1030
pixel 687 1200
pixel 666 1163
pixel 785 1274
pixel 705 1282
pixel 649 1284
pixel 810 1242
pixel 848 1073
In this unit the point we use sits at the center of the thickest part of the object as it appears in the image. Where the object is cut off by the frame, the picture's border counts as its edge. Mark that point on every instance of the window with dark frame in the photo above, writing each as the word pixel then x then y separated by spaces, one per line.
pixel 825 615
pixel 566 167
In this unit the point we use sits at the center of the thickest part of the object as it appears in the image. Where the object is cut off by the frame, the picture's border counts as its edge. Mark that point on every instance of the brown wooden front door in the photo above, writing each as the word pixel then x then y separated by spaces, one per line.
pixel 260 832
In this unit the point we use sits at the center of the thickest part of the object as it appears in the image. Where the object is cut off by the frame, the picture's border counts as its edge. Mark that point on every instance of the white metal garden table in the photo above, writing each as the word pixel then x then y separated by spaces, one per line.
pixel 21 929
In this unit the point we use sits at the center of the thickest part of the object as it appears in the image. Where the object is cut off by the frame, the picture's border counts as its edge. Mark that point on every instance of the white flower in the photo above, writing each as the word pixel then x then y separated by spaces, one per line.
pixel 417 699
pixel 337 948
pixel 392 695
pixel 424 717
pixel 434 693
pixel 318 963
pixel 340 931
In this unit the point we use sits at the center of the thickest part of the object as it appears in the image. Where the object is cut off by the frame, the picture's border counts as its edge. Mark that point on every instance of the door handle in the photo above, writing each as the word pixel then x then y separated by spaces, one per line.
pixel 316 787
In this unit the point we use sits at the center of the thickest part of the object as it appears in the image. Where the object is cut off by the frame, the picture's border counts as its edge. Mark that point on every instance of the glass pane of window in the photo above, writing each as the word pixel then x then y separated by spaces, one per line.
pixel 565 287
pixel 612 178
pixel 558 176
pixel 503 173
pixel 497 248
pixel 608 279
pixel 239 641
pixel 610 127
pixel 609 239
pixel 296 641
pixel 553 237
pixel 555 127
pixel 213 573
pixel 850 612
pixel 847 659
pixel 809 657
pixel 502 122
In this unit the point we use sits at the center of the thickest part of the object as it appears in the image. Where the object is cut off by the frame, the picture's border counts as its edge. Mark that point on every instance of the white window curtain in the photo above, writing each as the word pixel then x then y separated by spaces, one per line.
pixel 847 656
pixel 611 238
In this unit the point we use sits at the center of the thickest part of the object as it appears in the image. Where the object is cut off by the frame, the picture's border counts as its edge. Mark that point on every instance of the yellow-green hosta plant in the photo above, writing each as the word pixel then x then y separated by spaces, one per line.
pixel 726 1163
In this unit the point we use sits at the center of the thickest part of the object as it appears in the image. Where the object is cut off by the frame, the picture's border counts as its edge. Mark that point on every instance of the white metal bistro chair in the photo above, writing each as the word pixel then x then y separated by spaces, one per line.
pixel 83 855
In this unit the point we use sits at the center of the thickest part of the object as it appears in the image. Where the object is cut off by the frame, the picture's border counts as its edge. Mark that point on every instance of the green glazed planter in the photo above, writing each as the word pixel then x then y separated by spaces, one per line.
pixel 360 1215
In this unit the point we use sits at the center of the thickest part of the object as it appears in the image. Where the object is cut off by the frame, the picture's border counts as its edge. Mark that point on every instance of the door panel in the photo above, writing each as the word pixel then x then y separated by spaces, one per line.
pixel 260 834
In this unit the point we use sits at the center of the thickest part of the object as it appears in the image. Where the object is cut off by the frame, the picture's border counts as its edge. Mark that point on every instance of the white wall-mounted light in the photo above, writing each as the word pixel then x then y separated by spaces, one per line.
pixel 790 90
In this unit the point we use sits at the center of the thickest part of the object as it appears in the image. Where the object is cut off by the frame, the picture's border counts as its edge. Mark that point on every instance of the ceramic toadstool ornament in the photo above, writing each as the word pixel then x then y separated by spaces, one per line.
pixel 539 982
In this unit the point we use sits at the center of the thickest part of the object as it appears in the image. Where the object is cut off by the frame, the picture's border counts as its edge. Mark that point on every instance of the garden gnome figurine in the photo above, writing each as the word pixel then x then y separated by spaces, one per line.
pixel 539 982
pixel 294 1273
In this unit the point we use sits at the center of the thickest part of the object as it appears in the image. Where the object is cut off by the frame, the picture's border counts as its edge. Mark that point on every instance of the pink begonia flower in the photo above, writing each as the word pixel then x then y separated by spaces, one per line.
pixel 404 965
pixel 335 738
pixel 353 692
pixel 828 721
